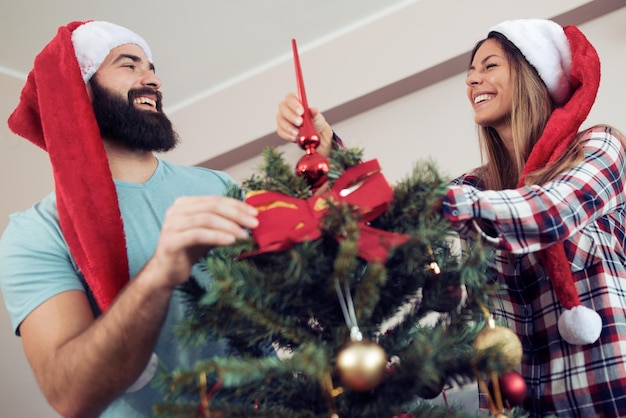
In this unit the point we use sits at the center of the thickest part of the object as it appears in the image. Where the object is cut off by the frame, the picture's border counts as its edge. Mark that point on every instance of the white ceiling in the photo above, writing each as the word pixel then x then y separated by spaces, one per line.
pixel 197 45
pixel 221 39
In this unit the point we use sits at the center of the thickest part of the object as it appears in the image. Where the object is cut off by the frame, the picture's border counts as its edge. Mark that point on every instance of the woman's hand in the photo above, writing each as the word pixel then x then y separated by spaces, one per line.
pixel 289 120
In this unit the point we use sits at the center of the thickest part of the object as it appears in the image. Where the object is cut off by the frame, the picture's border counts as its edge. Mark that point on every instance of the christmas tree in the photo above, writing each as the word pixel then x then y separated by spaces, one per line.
pixel 351 301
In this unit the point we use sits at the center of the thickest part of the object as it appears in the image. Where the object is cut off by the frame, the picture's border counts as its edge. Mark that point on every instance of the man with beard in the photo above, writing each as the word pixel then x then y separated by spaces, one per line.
pixel 88 273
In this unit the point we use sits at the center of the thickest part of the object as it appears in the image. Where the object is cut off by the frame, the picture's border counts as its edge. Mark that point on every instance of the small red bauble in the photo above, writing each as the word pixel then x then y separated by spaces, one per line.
pixel 513 388
pixel 314 168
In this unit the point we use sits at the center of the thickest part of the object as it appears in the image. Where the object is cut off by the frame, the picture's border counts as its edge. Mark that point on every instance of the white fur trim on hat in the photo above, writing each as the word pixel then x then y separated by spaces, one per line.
pixel 94 40
pixel 545 46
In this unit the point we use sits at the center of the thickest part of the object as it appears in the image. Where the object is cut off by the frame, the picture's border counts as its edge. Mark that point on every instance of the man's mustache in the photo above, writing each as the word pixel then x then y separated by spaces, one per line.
pixel 146 91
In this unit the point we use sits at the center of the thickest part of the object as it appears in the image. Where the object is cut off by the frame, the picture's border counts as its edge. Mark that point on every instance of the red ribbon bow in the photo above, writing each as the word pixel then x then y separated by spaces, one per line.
pixel 285 221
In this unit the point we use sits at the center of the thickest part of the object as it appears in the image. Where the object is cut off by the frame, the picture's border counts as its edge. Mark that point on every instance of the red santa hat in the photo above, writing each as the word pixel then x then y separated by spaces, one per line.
pixel 55 113
pixel 570 68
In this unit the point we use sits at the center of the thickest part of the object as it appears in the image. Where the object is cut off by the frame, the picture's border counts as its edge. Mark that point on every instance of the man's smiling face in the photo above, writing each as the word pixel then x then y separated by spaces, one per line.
pixel 127 101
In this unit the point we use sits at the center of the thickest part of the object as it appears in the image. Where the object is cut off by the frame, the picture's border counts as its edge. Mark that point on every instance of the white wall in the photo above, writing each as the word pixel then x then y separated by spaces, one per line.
pixel 434 122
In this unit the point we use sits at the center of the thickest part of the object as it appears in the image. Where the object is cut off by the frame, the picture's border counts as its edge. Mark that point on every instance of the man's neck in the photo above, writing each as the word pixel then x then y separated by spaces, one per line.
pixel 129 165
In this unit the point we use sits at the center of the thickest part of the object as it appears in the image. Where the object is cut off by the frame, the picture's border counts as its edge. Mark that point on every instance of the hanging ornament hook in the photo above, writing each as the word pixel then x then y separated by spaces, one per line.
pixel 360 362
pixel 349 314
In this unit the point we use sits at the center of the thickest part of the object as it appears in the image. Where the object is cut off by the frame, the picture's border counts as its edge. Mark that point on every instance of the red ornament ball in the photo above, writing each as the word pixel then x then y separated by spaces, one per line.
pixel 513 388
pixel 314 168
pixel 307 140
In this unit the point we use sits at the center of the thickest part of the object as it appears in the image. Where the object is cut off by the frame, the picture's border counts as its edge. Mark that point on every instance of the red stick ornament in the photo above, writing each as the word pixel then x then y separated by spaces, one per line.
pixel 312 166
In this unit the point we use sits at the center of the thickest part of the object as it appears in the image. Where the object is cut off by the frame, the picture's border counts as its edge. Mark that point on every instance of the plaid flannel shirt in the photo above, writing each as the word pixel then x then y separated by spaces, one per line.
pixel 585 208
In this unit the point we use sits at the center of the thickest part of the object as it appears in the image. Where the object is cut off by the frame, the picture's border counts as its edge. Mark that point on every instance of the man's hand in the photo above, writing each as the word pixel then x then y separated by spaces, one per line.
pixel 192 226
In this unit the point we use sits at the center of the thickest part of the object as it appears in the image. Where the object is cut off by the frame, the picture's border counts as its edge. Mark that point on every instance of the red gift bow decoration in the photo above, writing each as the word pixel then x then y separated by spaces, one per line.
pixel 285 221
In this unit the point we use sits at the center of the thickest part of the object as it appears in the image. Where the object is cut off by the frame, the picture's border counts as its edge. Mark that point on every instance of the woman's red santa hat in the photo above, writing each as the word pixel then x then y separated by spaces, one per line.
pixel 570 68
pixel 55 113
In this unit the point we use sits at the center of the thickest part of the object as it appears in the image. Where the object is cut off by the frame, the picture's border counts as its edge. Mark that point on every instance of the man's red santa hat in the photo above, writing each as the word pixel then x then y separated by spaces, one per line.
pixel 570 68
pixel 55 113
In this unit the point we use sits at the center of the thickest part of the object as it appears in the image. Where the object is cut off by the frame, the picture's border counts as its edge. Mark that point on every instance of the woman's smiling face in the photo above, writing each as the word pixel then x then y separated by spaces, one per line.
pixel 490 87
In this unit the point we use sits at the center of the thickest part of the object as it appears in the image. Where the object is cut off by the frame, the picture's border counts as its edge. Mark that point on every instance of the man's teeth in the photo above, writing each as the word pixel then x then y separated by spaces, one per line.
pixel 145 100
pixel 483 97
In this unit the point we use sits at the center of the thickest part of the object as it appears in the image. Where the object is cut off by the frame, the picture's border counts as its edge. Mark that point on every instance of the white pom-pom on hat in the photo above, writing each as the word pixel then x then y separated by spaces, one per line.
pixel 94 40
pixel 580 325
pixel 545 46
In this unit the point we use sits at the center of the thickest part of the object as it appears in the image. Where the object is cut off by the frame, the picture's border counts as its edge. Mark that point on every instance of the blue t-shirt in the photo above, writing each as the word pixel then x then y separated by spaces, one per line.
pixel 35 262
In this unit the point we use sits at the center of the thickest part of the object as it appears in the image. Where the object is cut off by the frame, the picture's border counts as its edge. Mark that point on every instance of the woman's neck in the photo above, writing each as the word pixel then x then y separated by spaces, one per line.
pixel 506 136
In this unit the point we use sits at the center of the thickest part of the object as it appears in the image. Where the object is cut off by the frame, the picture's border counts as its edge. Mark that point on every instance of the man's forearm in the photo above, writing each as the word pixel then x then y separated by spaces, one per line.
pixel 96 366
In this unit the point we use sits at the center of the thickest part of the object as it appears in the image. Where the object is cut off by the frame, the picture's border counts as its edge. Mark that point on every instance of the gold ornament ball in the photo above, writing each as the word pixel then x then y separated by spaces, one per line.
pixel 506 340
pixel 361 365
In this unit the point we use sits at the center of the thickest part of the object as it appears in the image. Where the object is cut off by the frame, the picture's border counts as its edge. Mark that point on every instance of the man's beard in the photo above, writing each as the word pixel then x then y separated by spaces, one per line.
pixel 120 121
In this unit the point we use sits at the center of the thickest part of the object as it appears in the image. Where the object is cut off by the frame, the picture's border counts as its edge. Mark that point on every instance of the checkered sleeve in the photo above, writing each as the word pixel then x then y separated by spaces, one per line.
pixel 531 218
